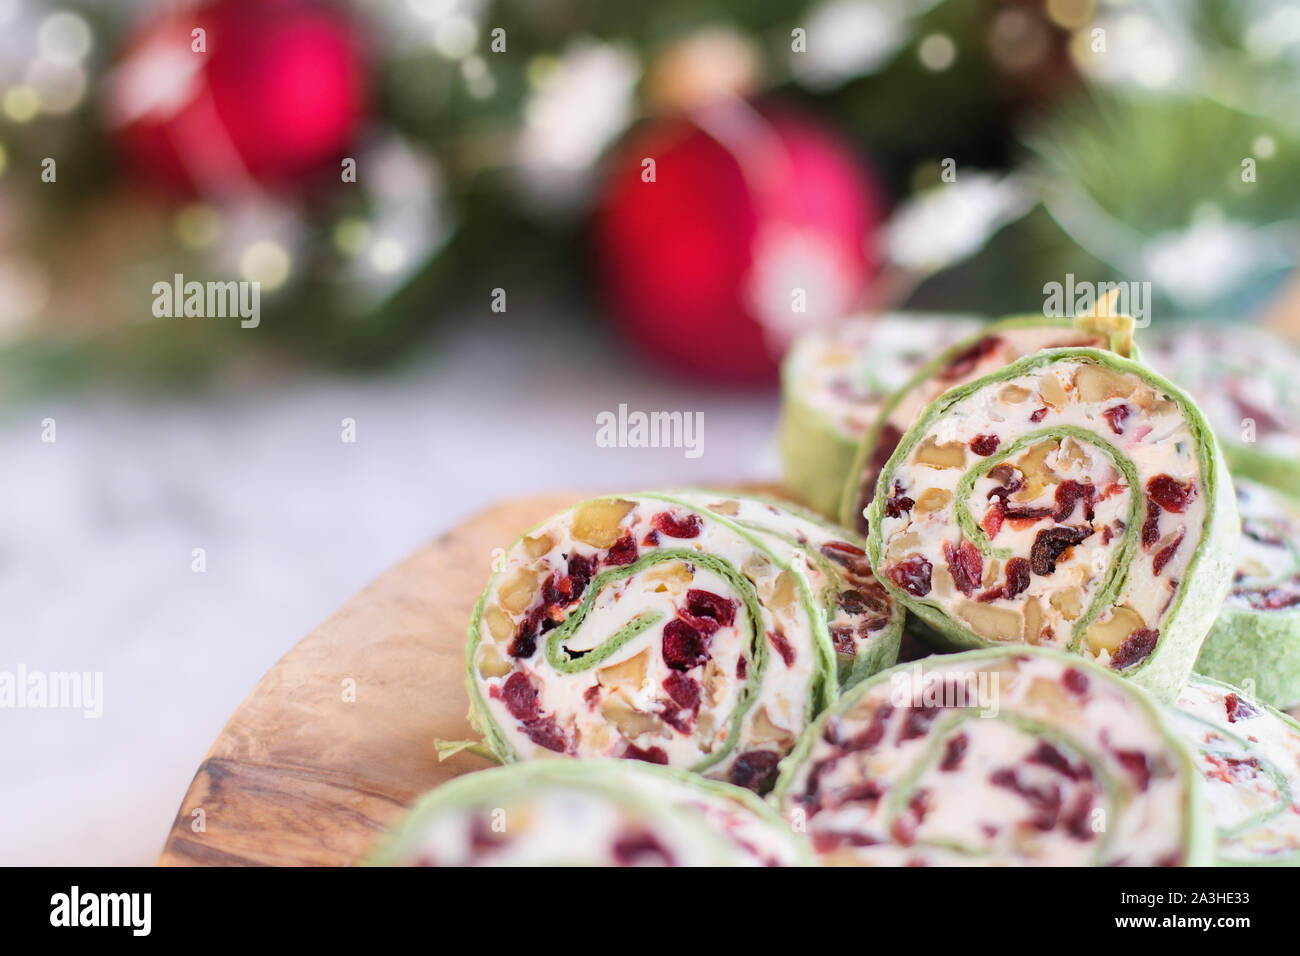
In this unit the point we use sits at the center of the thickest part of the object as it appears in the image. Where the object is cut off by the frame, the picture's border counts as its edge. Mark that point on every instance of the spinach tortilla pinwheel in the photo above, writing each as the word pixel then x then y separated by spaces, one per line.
pixel 834 383
pixel 1249 755
pixel 700 630
pixel 589 813
pixel 1255 643
pixel 1073 499
pixel 1247 379
pixel 993 758
pixel 994 346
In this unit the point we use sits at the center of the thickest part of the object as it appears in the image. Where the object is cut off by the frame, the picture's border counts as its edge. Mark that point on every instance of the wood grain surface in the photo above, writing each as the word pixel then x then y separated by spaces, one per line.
pixel 302 774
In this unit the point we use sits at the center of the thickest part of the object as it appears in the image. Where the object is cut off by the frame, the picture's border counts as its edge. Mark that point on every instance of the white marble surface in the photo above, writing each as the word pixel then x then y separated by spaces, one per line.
pixel 97 531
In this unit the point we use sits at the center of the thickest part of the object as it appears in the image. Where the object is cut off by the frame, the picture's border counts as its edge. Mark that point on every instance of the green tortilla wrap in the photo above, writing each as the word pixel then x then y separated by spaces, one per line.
pixel 833 384
pixel 1073 499
pixel 1249 755
pixel 1255 643
pixel 995 758
pixel 698 630
pixel 992 347
pixel 589 813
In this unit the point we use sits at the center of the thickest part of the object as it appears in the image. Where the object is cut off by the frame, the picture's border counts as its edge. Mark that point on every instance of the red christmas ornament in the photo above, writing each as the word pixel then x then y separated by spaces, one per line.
pixel 744 230
pixel 269 92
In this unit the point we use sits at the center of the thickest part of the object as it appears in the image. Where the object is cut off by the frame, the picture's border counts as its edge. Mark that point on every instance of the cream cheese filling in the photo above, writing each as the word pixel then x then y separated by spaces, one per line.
pixel 1251 766
pixel 1108 790
pixel 1046 419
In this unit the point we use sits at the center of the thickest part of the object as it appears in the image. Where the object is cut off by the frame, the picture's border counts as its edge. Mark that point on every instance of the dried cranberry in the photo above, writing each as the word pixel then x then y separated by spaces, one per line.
pixel 992 522
pixel 842 639
pixel 623 551
pixel 953 751
pixel 903 830
pixel 1077 817
pixel 919 805
pixel 985 444
pixel 1116 416
pixel 680 720
pixel 861 791
pixel 886 441
pixel 1237 708
pixel 648 755
pixel 853 601
pixel 683 646
pixel 964 362
pixel 520 697
pixel 580 571
pixel 706 604
pixel 897 503
pixel 1135 648
pixel 754 769
pixel 873 609
pixel 1151 526
pixel 1017 576
pixel 1166 554
pixel 1075 681
pixel 544 733
pixel 844 554
pixel 688 526
pixel 825 841
pixel 482 837
pixel 591 695
pixel 782 646
pixel 1170 494
pixel 918 722
pixel 1135 762
pixel 965 564
pixel 638 849
pixel 524 643
pixel 1050 543
pixel 1038 415
pixel 1023 516
pixel 1261 533
pixel 912 575
pixel 1048 756
pixel 1270 599
pixel 1068 494
pixel 684 691
pixel 874 732
pixel 1046 801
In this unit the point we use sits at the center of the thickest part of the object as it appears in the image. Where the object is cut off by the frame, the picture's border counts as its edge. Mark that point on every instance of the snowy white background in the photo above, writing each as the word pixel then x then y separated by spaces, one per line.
pixel 97 530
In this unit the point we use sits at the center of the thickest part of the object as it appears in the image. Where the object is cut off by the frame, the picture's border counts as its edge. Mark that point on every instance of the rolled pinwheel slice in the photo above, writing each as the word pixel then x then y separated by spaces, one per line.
pixel 993 347
pixel 589 813
pixel 865 623
pixel 994 758
pixel 1247 379
pixel 660 628
pixel 834 383
pixel 1255 642
pixel 1073 499
pixel 1249 755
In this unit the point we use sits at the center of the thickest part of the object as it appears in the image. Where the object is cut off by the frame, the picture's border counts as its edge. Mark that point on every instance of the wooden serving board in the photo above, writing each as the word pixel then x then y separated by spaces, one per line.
pixel 303 775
